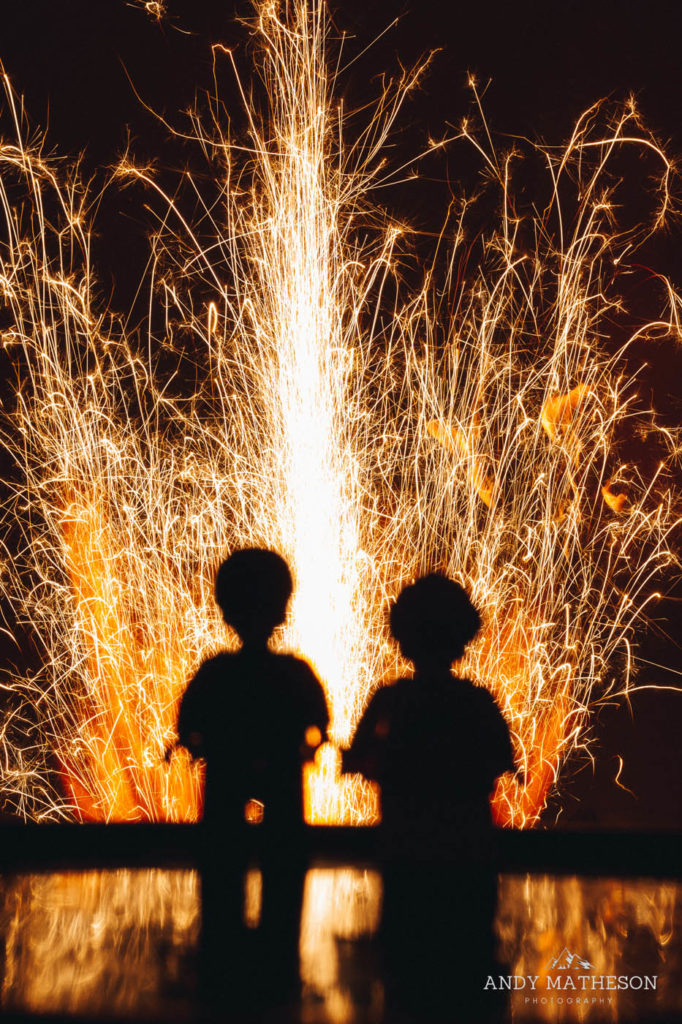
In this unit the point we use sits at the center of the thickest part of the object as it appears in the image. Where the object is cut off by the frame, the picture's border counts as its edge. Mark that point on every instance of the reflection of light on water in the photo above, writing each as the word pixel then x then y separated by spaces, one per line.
pixel 119 942
pixel 621 926
pixel 253 897
pixel 125 942
pixel 339 905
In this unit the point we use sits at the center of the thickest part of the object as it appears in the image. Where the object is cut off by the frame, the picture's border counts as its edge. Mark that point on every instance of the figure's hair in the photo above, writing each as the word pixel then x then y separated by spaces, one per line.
pixel 433 619
pixel 252 589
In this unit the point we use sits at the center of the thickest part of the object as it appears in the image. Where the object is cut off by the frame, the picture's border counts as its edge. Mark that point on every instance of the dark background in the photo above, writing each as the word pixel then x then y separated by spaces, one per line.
pixel 74 61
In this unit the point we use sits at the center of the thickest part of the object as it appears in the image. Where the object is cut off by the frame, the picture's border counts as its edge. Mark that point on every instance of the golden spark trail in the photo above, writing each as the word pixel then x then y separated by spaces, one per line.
pixel 289 391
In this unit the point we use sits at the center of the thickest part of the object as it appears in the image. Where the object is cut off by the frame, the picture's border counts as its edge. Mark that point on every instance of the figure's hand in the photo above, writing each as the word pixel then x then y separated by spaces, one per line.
pixel 312 740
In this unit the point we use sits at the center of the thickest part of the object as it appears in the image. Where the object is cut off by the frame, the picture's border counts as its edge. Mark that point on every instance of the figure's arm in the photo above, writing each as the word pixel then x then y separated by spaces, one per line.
pixel 501 744
pixel 316 715
pixel 364 753
pixel 190 726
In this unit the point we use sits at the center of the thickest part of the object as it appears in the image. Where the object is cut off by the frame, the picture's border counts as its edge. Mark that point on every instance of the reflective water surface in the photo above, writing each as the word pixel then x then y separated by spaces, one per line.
pixel 627 930
pixel 125 943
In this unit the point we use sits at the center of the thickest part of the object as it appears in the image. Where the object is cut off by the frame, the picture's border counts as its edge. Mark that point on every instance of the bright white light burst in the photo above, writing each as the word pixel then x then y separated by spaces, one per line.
pixel 289 391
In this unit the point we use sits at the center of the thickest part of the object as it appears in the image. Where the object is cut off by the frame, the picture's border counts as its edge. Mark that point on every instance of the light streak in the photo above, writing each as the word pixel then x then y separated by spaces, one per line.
pixel 156 9
pixel 289 391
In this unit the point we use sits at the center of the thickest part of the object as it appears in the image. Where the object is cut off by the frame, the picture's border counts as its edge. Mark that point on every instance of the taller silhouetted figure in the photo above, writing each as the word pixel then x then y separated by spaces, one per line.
pixel 254 716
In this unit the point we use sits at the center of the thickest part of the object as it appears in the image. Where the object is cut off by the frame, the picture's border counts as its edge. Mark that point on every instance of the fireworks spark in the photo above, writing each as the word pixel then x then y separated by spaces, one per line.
pixel 290 392
pixel 156 9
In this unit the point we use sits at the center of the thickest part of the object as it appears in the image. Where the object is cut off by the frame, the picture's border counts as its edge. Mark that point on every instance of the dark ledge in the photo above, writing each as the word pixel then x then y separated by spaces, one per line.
pixel 73 846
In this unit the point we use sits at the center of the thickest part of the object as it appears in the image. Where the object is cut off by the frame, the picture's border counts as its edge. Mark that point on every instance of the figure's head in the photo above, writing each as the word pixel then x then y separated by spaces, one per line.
pixel 433 620
pixel 252 588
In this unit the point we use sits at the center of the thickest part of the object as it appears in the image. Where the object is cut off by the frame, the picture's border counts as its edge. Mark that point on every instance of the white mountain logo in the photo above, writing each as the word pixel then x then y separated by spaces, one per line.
pixel 567 961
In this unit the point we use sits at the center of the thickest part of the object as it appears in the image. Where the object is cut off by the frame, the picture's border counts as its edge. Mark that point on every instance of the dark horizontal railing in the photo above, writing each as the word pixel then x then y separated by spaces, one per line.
pixel 67 846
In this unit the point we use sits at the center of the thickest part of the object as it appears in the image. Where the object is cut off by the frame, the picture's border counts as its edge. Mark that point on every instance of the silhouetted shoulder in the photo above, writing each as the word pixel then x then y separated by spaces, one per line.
pixel 383 699
pixel 497 731
pixel 198 701
pixel 298 669
pixel 241 700
pixel 214 667
pixel 306 688
pixel 209 674
pixel 441 725
pixel 364 753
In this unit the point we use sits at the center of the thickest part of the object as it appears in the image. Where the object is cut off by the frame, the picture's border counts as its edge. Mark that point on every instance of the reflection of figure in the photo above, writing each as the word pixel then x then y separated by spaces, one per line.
pixel 436 745
pixel 255 717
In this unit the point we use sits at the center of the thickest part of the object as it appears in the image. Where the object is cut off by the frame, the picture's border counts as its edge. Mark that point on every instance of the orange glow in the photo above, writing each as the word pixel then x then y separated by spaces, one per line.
pixel 128 685
pixel 313 736
pixel 328 796
pixel 453 439
pixel 616 502
pixel 286 391
pixel 253 812
pixel 559 413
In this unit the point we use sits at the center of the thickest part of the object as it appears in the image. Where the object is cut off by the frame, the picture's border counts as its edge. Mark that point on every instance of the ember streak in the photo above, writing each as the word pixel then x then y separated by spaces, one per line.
pixel 368 432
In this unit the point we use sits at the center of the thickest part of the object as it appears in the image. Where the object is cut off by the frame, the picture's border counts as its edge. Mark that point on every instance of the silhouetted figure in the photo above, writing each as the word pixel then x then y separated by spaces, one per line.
pixel 255 717
pixel 435 744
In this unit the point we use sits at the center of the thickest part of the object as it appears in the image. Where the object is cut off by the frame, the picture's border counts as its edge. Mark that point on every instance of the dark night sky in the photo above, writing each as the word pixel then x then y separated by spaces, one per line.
pixel 547 62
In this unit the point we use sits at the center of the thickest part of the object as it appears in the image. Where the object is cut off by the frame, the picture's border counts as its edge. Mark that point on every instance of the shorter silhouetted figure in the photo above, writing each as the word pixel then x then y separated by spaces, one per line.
pixel 254 716
pixel 434 743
